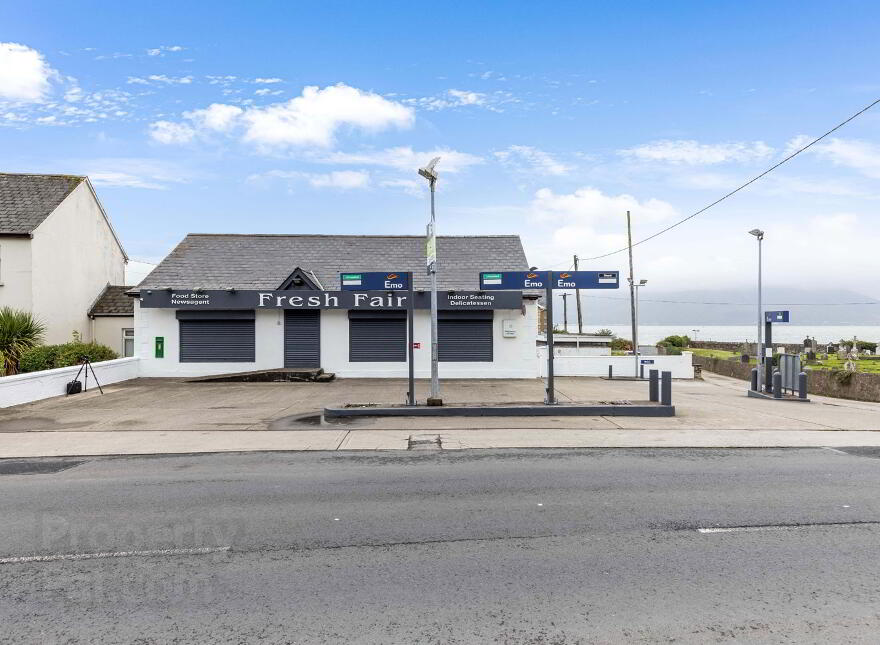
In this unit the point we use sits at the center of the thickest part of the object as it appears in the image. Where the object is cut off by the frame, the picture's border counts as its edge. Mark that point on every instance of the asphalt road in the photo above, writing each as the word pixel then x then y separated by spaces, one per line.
pixel 549 546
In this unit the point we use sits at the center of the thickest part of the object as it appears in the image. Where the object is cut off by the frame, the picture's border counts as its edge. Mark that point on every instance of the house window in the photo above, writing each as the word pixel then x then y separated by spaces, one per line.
pixel 128 342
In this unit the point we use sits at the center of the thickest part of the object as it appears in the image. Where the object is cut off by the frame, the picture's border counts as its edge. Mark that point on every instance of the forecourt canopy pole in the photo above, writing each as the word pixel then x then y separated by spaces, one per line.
pixel 549 281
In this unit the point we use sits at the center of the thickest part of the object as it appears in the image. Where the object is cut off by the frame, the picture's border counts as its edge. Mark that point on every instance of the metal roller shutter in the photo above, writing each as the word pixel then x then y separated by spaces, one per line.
pixel 377 336
pixel 216 341
pixel 465 337
pixel 302 338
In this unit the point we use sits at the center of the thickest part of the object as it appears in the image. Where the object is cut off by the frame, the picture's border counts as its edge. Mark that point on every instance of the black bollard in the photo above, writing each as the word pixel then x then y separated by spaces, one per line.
pixel 641 371
pixel 654 385
pixel 777 385
pixel 754 379
pixel 609 372
pixel 802 385
pixel 666 388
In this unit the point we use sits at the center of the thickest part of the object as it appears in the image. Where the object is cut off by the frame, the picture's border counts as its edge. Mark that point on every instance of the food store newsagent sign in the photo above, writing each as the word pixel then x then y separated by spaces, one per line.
pixel 253 299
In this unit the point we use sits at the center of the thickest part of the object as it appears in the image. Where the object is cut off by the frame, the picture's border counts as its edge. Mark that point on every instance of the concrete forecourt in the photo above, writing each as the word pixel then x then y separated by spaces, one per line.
pixel 156 416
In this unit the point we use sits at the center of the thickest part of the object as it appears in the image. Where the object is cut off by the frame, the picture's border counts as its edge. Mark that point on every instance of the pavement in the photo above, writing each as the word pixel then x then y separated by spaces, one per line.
pixel 156 416
pixel 538 546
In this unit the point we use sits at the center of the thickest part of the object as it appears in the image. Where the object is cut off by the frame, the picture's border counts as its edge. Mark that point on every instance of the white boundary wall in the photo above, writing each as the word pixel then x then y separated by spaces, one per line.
pixel 680 366
pixel 33 386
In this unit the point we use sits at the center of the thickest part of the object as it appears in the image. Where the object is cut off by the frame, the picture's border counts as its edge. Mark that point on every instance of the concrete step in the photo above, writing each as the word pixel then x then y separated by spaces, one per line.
pixel 280 375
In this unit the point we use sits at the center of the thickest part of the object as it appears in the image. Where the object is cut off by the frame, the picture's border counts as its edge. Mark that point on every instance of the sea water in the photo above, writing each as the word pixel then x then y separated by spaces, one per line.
pixel 782 333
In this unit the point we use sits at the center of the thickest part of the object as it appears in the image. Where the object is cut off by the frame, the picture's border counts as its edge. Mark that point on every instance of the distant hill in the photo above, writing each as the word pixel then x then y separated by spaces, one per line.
pixel 696 307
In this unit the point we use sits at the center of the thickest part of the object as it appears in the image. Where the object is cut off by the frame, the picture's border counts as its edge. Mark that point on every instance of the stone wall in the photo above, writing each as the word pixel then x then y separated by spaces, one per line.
pixel 861 386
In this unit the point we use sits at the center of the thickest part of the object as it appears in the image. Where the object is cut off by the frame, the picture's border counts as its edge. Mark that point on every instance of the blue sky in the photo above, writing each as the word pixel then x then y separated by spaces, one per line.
pixel 551 120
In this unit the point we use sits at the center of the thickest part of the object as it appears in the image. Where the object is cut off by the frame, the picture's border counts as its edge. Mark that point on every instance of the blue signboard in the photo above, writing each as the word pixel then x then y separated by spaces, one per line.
pixel 539 280
pixel 374 281
pixel 647 361
pixel 513 280
pixel 776 316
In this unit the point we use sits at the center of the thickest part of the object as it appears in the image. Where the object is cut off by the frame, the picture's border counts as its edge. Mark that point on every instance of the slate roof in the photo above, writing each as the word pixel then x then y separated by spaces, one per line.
pixel 264 261
pixel 113 302
pixel 26 200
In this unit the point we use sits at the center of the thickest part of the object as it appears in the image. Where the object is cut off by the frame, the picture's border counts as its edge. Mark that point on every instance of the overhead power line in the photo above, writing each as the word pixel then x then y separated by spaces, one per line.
pixel 745 185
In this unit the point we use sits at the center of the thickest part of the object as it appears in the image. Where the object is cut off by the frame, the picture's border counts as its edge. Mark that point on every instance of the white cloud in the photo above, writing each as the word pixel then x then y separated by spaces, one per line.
pixel 160 51
pixel 406 159
pixel 168 132
pixel 311 119
pixel 24 73
pixel 217 117
pixel 342 179
pixel 529 159
pixel 114 178
pixel 409 186
pixel 688 151
pixel 265 91
pixel 590 205
pixel 267 81
pixel 160 78
pixel 850 153
pixel 451 99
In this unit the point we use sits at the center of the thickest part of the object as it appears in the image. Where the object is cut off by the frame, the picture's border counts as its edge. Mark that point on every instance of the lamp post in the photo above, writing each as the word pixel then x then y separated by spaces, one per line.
pixel 759 234
pixel 431 259
pixel 636 285
pixel 695 333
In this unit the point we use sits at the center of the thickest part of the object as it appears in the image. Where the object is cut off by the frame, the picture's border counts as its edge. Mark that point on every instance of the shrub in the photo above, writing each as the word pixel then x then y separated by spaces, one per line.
pixel 621 344
pixel 47 357
pixel 675 341
pixel 604 332
pixel 20 331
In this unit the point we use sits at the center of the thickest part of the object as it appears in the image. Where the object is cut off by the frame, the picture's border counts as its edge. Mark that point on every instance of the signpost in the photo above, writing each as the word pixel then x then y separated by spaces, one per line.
pixel 771 317
pixel 549 280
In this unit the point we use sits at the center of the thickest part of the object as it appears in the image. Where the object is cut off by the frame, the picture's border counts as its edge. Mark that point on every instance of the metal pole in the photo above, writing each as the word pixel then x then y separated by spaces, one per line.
pixel 551 393
pixel 411 396
pixel 632 296
pixel 565 311
pixel 760 358
pixel 636 334
pixel 577 295
pixel 435 377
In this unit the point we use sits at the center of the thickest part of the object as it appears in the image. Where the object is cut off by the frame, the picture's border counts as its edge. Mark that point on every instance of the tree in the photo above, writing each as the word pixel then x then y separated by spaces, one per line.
pixel 604 332
pixel 19 332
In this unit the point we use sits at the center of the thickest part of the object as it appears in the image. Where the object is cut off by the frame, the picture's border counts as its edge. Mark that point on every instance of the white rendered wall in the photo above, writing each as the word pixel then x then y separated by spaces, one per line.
pixel 74 256
pixel 513 357
pixel 15 272
pixel 33 386
pixel 680 366
pixel 107 330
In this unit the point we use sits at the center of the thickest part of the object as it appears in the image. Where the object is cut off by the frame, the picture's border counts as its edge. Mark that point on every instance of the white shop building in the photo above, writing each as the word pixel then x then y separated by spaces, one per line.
pixel 238 303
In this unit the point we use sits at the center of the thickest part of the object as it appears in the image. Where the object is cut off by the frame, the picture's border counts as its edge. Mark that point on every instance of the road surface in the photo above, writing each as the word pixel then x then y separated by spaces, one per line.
pixel 529 546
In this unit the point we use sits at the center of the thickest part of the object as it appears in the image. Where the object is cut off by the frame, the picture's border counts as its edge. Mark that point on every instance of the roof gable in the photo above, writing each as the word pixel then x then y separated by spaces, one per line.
pixel 300 279
pixel 27 200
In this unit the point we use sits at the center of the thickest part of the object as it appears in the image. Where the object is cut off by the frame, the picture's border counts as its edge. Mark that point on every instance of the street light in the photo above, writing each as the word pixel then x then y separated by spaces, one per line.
pixel 695 333
pixel 431 259
pixel 759 234
pixel 636 285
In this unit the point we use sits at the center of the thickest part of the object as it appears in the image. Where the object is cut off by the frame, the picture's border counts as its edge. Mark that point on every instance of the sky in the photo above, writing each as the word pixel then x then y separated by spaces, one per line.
pixel 551 120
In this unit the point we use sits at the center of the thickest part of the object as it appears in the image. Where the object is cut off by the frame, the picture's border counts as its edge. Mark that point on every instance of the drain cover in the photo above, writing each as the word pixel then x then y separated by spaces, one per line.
pixel 424 442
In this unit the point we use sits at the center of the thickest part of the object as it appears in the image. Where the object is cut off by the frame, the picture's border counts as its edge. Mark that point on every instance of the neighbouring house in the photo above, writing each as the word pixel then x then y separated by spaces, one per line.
pixel 238 303
pixel 112 320
pixel 58 251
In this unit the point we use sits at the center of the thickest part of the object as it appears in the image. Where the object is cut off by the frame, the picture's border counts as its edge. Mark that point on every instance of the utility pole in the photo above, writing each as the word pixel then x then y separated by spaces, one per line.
pixel 632 296
pixel 565 312
pixel 577 295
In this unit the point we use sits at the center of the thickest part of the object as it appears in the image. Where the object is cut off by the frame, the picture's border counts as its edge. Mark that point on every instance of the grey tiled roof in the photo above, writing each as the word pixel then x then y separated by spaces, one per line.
pixel 264 261
pixel 113 302
pixel 26 200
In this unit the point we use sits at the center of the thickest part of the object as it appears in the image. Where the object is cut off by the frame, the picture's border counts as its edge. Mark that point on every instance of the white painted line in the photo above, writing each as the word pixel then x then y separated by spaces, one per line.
pixel 781 527
pixel 112 554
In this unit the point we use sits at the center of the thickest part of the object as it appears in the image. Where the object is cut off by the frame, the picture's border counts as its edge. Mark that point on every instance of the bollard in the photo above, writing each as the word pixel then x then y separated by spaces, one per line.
pixel 641 371
pixel 754 379
pixel 666 388
pixel 654 385
pixel 609 372
pixel 802 385
pixel 777 385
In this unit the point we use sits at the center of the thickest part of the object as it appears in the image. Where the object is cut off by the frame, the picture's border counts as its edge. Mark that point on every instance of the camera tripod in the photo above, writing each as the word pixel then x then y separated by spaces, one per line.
pixel 85 366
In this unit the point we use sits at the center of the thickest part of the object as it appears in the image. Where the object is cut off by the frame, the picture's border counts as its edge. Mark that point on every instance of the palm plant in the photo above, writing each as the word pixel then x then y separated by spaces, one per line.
pixel 19 332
